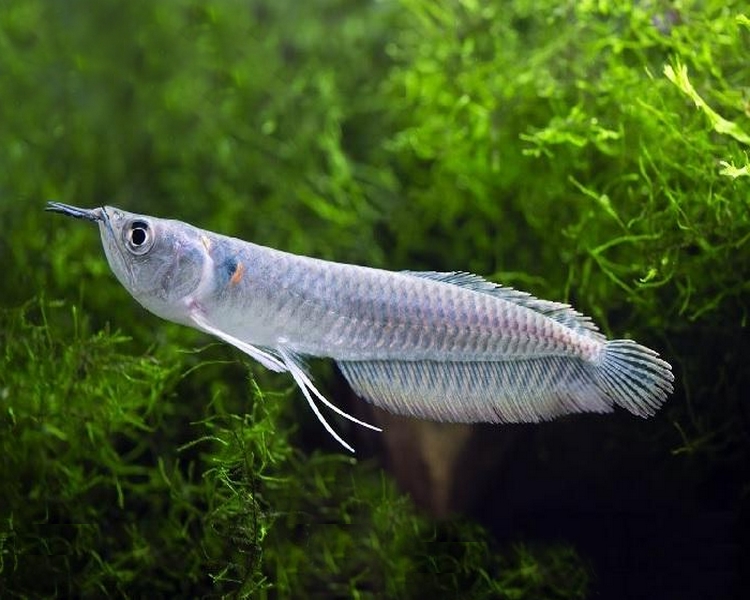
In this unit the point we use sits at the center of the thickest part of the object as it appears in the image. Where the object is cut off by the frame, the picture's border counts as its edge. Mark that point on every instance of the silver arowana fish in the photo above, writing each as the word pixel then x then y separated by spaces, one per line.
pixel 441 346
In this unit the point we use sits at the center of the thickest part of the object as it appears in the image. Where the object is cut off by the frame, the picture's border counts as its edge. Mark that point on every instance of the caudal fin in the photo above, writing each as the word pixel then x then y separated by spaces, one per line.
pixel 634 377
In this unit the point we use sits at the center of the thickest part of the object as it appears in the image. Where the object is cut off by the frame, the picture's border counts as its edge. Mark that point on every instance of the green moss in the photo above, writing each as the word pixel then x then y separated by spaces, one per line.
pixel 593 152
pixel 576 93
pixel 97 496
pixel 111 486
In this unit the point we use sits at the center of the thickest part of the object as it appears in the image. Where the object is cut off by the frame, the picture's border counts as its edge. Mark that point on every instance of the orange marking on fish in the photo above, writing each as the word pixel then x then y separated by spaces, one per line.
pixel 238 274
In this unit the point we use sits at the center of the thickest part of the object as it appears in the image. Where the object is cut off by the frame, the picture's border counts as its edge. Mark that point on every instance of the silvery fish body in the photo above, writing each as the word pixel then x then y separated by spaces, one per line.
pixel 444 346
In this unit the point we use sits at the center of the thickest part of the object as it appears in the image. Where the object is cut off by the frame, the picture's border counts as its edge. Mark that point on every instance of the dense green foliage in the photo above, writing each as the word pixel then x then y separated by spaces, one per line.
pixel 112 486
pixel 593 152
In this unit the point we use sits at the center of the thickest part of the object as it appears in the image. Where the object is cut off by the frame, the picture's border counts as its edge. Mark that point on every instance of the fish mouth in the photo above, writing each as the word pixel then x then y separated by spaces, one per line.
pixel 88 214
pixel 97 215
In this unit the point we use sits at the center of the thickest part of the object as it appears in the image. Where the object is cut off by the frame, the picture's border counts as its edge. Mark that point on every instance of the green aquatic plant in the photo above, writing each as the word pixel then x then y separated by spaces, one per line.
pixel 112 486
pixel 576 92
pixel 594 152
pixel 97 497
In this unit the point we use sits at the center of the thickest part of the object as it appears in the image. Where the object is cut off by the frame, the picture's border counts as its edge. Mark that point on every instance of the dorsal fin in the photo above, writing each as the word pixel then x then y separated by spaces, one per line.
pixel 562 313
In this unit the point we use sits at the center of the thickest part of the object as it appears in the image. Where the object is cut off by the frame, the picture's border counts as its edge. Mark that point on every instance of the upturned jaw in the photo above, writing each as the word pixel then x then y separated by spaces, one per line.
pixel 95 215
pixel 109 239
pixel 92 214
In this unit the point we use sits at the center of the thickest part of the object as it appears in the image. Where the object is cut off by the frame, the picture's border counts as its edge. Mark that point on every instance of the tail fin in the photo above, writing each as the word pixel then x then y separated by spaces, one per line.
pixel 634 377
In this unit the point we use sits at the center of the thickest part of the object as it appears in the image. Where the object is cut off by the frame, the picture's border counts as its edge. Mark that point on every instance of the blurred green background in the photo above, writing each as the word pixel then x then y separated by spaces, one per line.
pixel 588 152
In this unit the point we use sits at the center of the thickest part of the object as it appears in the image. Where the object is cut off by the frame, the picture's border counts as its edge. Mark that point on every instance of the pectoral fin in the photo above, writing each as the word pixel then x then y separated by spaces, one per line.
pixel 280 361
pixel 268 360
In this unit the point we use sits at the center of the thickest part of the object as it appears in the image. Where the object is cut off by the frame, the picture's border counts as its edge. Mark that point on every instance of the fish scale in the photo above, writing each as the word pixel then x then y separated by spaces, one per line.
pixel 442 346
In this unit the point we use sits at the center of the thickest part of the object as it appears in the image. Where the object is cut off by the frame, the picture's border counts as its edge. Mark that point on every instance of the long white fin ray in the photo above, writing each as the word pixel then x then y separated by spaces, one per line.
pixel 286 361
pixel 305 392
pixel 292 363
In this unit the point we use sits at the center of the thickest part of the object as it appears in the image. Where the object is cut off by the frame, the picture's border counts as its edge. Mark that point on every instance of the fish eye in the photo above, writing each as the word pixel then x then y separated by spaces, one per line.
pixel 138 237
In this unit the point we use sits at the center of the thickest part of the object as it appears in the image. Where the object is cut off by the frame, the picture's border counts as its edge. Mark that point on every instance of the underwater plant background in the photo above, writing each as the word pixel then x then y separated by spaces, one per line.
pixel 588 152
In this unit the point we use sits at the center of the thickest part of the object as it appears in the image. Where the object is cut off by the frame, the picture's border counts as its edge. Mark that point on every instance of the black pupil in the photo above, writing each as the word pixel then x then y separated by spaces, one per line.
pixel 138 235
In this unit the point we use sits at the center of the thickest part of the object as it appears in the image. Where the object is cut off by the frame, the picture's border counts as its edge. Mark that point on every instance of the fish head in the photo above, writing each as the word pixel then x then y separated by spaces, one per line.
pixel 161 262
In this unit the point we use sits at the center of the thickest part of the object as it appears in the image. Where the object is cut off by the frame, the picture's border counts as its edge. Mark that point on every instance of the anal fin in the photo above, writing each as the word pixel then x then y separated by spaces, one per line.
pixel 501 391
